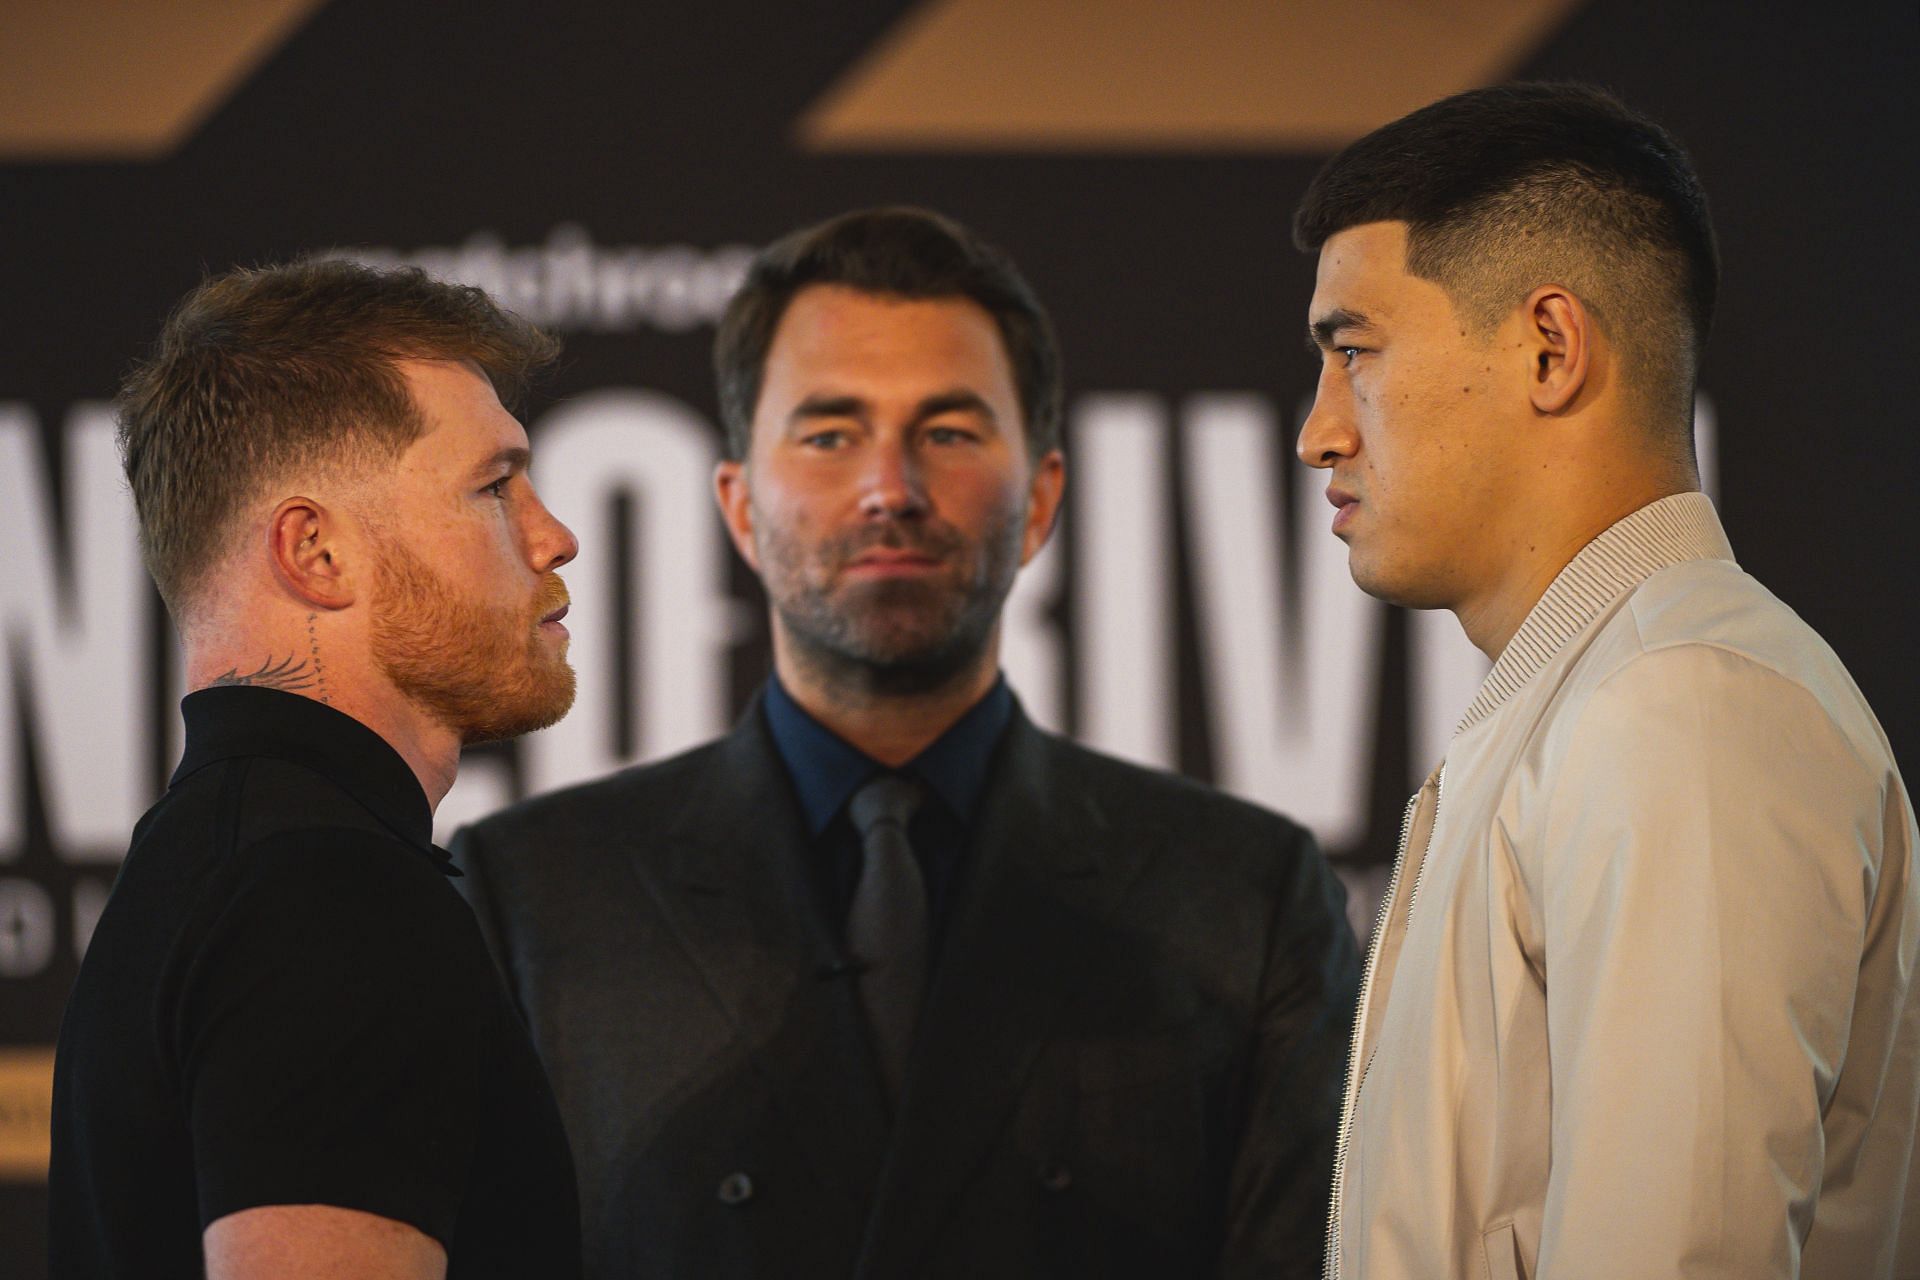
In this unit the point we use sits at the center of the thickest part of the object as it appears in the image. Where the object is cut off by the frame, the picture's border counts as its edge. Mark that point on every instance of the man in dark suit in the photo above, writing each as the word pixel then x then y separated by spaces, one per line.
pixel 889 982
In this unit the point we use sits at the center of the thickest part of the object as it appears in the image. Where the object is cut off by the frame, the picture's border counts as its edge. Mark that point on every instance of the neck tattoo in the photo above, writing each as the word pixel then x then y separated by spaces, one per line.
pixel 286 674
pixel 319 672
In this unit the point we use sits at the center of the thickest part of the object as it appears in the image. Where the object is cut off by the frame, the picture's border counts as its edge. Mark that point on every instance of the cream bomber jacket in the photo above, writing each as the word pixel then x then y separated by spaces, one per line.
pixel 1640 1003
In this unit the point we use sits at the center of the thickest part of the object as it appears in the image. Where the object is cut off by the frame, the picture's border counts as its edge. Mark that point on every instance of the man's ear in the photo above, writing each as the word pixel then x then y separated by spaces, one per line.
pixel 1561 332
pixel 1049 486
pixel 305 545
pixel 736 507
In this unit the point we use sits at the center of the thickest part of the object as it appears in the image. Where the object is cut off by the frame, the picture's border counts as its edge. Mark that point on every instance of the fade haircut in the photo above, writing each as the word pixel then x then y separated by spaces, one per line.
pixel 900 253
pixel 1509 188
pixel 263 374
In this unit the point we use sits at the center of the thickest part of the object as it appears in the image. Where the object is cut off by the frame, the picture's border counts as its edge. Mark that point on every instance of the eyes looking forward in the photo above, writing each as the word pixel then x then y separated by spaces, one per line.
pixel 940 435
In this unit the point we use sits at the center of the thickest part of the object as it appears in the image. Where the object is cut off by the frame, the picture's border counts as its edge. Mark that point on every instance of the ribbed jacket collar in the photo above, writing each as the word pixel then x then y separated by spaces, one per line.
pixel 1664 533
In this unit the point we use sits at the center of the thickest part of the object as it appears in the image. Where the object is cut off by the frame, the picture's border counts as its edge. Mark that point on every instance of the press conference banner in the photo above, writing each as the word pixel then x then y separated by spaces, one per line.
pixel 608 169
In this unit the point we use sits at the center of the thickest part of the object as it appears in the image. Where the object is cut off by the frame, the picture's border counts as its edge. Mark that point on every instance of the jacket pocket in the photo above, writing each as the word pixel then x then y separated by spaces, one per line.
pixel 1502 1253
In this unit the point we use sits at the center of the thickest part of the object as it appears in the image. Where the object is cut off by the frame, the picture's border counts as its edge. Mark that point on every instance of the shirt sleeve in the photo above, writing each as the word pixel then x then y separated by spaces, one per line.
pixel 1709 858
pixel 330 1035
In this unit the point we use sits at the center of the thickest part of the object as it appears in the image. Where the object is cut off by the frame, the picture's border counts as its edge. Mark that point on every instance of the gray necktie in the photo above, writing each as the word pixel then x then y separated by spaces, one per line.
pixel 887 926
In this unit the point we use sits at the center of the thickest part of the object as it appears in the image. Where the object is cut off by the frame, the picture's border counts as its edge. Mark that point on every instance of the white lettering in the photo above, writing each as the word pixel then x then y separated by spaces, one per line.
pixel 1031 647
pixel 73 640
pixel 657 452
pixel 1292 696
pixel 1289 680
pixel 1122 589
pixel 571 283
pixel 1446 671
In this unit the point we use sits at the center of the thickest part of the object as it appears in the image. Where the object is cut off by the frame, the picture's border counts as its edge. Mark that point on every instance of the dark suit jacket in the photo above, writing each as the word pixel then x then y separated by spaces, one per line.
pixel 1129 1061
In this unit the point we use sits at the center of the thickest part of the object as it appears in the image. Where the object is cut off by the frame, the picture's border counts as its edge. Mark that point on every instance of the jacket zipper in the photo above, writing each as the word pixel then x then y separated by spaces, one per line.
pixel 1439 793
pixel 1356 1073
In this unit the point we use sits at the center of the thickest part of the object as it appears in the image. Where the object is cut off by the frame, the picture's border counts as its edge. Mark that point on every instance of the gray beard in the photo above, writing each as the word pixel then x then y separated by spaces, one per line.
pixel 841 654
pixel 901 638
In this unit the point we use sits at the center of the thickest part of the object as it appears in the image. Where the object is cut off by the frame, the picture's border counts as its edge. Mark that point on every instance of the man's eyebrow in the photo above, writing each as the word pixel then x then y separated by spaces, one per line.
pixel 1321 332
pixel 512 460
pixel 958 400
pixel 828 406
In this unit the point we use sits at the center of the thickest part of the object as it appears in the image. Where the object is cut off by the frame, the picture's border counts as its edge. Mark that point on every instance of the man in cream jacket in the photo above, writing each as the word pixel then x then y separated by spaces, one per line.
pixel 1639 1002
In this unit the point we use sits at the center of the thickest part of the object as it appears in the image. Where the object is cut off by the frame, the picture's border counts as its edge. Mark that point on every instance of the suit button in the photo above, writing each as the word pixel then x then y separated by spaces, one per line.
pixel 1058 1178
pixel 736 1188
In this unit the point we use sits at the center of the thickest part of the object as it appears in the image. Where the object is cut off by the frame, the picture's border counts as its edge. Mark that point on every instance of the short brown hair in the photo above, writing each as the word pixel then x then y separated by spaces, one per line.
pixel 261 372
pixel 898 252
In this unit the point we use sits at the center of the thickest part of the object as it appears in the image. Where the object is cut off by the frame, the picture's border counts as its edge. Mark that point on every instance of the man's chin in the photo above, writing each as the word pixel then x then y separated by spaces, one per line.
pixel 908 640
pixel 540 708
pixel 1400 589
pixel 882 596
pixel 910 649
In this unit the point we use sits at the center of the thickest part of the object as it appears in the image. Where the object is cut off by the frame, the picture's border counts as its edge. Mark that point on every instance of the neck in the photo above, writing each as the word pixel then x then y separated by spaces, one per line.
pixel 1492 619
pixel 890 718
pixel 430 749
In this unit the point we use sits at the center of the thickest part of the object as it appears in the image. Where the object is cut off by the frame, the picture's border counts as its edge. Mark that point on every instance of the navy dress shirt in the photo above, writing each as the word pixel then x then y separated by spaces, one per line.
pixel 827 769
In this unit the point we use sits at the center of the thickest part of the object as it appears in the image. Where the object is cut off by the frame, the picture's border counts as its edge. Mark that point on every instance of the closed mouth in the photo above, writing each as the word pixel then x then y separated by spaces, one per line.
pixel 890 559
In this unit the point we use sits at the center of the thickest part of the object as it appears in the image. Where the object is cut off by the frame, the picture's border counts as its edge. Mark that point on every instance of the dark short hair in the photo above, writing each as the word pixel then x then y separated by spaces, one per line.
pixel 1508 188
pixel 896 253
pixel 263 372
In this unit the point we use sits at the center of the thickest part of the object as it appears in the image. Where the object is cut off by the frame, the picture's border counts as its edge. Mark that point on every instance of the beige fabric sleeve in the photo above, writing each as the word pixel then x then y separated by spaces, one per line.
pixel 1710 852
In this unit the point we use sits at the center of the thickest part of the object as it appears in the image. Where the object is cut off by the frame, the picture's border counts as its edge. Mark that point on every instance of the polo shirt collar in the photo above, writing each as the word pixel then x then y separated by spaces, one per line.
pixel 827 769
pixel 232 721
pixel 1659 535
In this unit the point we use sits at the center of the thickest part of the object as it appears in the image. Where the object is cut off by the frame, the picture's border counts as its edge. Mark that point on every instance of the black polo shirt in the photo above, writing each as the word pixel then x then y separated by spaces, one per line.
pixel 827 769
pixel 285 1002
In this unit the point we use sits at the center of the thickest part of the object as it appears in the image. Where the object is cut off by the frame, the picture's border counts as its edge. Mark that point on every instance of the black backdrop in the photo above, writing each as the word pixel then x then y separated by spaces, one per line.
pixel 605 164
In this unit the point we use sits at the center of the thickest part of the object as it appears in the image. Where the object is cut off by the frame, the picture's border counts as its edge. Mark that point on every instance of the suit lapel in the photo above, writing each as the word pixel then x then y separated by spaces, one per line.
pixel 1022 941
pixel 734 890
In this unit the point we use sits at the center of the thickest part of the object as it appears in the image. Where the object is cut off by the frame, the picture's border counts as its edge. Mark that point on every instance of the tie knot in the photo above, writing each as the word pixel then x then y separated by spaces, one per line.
pixel 888 798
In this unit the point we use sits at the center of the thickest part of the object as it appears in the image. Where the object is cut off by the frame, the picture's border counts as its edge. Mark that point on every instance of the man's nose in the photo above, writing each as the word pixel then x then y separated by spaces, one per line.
pixel 1327 435
pixel 551 543
pixel 892 483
